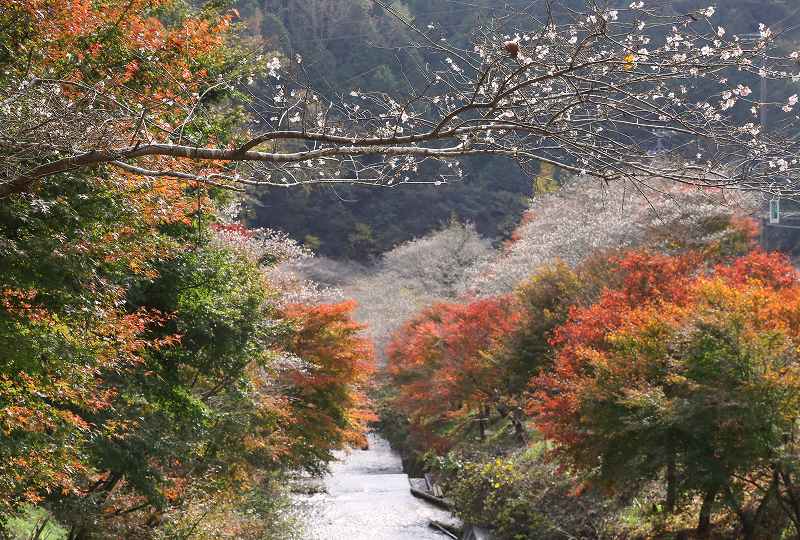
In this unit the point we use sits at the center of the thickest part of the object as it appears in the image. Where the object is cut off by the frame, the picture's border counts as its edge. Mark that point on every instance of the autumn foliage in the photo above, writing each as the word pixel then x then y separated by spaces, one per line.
pixel 670 369
pixel 149 368
pixel 687 372
pixel 327 391
pixel 441 365
pixel 650 282
pixel 71 250
pixel 130 45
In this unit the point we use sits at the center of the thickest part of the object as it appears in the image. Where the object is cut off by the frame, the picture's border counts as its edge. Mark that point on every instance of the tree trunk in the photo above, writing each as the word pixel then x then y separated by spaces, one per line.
pixel 745 516
pixel 482 422
pixel 37 533
pixel 792 500
pixel 748 528
pixel 519 428
pixel 672 488
pixel 704 522
pixel 77 532
pixel 771 517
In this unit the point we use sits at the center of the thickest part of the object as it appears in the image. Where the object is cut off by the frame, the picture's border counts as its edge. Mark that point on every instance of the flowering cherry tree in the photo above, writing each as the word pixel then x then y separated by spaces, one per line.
pixel 414 275
pixel 584 217
pixel 588 90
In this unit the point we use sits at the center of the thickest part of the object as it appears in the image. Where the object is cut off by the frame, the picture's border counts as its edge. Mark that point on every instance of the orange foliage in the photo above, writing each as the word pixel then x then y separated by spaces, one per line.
pixel 327 397
pixel 655 288
pixel 124 54
pixel 65 30
pixel 440 365
pixel 75 341
pixel 769 269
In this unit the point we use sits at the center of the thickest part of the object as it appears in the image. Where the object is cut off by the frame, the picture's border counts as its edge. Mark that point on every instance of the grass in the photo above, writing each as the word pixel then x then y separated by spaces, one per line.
pixel 24 525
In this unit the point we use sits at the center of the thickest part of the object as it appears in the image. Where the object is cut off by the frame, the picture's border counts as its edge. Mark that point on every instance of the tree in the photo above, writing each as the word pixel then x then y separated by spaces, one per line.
pixel 326 31
pixel 688 375
pixel 89 76
pixel 440 365
pixel 585 91
pixel 697 225
pixel 416 274
pixel 77 346
pixel 145 337
pixel 494 192
pixel 146 361
pixel 326 392
pixel 585 217
pixel 192 409
pixel 544 302
pixel 67 334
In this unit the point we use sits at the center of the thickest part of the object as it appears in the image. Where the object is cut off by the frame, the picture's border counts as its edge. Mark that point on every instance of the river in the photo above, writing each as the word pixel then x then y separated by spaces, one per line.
pixel 367 497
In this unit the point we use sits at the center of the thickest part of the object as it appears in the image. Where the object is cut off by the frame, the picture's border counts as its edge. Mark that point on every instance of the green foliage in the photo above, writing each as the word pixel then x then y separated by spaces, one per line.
pixel 62 326
pixel 546 181
pixel 30 520
pixel 492 198
pixel 144 362
pixel 194 396
pixel 522 496
pixel 694 383
pixel 544 300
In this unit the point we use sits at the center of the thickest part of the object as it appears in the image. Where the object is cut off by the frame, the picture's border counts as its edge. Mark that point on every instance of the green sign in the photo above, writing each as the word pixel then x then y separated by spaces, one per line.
pixel 775 211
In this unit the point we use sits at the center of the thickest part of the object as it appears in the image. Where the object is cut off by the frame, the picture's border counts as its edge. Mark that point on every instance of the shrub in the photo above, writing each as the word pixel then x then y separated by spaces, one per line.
pixel 525 496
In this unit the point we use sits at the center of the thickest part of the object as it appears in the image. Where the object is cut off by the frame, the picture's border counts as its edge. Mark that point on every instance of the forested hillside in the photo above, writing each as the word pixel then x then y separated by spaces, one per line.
pixel 348 44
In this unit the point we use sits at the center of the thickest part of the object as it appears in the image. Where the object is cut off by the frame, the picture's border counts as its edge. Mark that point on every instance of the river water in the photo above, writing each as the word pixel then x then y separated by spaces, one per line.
pixel 366 497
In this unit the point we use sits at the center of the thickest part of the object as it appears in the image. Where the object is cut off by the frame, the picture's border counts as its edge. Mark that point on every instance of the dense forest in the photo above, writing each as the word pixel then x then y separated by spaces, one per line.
pixel 577 335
